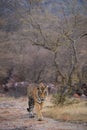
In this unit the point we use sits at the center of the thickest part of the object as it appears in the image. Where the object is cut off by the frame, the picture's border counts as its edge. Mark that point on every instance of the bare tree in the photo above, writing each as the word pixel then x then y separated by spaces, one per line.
pixel 66 31
pixel 43 29
pixel 70 31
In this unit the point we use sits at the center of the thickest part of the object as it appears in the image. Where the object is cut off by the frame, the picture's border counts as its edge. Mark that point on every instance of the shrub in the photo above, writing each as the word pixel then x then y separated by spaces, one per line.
pixel 59 99
pixel 60 96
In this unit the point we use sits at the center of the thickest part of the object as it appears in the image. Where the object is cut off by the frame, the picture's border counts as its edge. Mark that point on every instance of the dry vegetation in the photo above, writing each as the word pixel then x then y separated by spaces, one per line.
pixel 14 116
pixel 76 111
pixel 43 40
pixel 41 45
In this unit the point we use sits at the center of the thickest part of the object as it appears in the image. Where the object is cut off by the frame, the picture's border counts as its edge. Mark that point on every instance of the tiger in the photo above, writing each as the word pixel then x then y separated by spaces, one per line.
pixel 37 94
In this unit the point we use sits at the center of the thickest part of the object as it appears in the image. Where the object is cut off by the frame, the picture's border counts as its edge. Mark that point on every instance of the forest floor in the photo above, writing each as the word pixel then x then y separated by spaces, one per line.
pixel 14 116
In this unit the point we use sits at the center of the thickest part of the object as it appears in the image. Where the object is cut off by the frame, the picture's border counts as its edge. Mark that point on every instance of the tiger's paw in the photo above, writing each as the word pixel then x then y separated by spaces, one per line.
pixel 40 119
pixel 31 115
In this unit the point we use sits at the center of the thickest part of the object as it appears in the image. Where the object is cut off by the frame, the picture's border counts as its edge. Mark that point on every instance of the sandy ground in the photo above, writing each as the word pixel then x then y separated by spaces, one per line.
pixel 14 116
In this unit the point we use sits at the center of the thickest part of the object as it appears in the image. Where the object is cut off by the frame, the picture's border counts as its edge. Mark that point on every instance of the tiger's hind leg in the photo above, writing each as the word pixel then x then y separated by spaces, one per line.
pixel 31 107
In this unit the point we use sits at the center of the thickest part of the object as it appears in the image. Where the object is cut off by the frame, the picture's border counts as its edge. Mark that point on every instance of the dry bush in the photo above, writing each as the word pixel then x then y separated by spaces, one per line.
pixel 73 112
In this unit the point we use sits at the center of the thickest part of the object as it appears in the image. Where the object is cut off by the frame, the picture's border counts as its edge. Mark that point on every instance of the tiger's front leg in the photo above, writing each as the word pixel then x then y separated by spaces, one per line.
pixel 38 107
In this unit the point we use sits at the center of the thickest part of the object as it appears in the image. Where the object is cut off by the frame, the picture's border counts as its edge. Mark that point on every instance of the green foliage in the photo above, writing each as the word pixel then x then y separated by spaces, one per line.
pixel 59 99
pixel 60 96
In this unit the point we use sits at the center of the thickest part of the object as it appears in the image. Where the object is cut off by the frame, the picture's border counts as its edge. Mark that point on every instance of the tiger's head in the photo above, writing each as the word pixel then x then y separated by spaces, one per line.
pixel 42 92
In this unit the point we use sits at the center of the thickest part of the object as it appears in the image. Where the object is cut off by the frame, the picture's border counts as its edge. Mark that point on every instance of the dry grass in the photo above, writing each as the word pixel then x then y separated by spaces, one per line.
pixel 73 112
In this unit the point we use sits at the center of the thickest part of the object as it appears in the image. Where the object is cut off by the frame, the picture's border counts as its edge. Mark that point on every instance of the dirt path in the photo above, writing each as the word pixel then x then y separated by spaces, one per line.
pixel 13 116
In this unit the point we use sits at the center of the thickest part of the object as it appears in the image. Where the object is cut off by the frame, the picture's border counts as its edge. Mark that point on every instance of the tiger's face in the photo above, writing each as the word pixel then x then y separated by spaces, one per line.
pixel 42 92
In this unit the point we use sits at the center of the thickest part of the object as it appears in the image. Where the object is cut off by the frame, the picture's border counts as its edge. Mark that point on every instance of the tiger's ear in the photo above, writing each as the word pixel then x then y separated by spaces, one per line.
pixel 45 85
pixel 41 84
